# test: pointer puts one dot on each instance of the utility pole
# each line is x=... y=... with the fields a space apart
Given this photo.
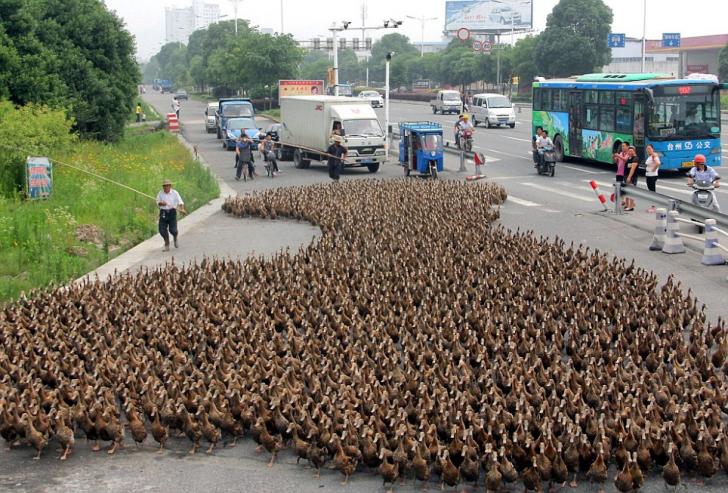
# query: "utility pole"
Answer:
x=281 y=17
x=422 y=20
x=235 y=11
x=386 y=103
x=644 y=33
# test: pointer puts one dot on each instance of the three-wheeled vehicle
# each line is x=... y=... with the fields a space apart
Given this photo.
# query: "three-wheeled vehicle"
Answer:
x=420 y=148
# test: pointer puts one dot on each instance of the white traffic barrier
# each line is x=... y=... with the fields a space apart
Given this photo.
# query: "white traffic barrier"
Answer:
x=711 y=252
x=479 y=160
x=658 y=240
x=673 y=240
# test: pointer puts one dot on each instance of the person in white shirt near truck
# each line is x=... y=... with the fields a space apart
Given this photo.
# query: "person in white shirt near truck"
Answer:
x=169 y=201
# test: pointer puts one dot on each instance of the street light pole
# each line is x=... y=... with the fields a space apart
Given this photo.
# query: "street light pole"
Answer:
x=422 y=20
x=644 y=33
x=334 y=30
x=281 y=17
x=235 y=11
x=386 y=102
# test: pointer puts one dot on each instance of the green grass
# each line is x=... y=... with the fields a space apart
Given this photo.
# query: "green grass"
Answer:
x=150 y=112
x=38 y=240
x=275 y=113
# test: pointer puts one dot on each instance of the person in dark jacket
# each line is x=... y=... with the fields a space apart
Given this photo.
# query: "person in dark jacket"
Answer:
x=244 y=156
x=337 y=154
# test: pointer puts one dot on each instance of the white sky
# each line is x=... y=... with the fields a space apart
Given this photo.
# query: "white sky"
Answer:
x=308 y=18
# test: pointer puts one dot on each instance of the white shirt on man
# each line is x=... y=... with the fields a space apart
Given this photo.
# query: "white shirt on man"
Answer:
x=172 y=199
x=544 y=142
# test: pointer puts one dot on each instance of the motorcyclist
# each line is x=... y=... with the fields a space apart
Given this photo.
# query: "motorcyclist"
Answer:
x=543 y=144
x=462 y=124
x=702 y=172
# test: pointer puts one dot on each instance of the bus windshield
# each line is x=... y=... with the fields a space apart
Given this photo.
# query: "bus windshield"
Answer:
x=688 y=112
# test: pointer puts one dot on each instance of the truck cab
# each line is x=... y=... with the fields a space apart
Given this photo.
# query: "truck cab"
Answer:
x=447 y=101
x=232 y=108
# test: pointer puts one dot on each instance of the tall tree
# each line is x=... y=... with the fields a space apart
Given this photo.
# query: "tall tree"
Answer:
x=575 y=38
x=393 y=42
x=722 y=64
x=69 y=53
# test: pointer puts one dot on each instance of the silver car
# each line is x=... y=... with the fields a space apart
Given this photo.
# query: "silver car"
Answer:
x=505 y=15
x=375 y=99
x=210 y=117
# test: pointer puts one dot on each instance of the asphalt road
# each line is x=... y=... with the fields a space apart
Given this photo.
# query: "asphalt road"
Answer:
x=563 y=206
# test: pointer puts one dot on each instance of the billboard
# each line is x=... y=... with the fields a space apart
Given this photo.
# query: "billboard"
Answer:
x=300 y=87
x=38 y=177
x=488 y=15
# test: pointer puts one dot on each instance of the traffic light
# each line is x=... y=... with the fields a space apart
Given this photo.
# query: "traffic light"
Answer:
x=368 y=44
x=355 y=44
x=329 y=44
x=316 y=44
x=342 y=43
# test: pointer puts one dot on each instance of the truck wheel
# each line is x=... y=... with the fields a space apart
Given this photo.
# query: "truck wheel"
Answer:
x=373 y=168
x=280 y=154
x=434 y=110
x=298 y=160
x=512 y=125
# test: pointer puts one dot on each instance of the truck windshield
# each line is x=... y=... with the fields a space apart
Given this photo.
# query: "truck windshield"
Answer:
x=450 y=96
x=685 y=116
x=499 y=102
x=237 y=109
x=369 y=128
x=240 y=123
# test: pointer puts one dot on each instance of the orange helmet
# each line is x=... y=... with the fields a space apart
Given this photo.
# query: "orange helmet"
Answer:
x=699 y=159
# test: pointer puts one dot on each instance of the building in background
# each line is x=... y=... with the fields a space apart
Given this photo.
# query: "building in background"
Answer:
x=696 y=54
x=180 y=23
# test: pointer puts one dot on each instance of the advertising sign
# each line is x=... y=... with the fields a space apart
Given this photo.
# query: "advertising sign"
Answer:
x=38 y=177
x=300 y=87
x=697 y=69
x=488 y=15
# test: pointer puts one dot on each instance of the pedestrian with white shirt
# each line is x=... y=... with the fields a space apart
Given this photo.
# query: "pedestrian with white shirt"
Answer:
x=652 y=165
x=169 y=201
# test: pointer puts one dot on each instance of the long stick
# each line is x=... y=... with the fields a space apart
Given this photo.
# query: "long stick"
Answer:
x=315 y=150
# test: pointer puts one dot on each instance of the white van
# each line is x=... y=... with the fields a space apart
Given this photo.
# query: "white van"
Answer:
x=493 y=110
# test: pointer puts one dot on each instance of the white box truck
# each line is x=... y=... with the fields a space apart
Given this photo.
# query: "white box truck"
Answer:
x=308 y=122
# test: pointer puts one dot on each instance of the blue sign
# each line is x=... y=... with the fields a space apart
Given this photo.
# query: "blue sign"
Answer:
x=671 y=40
x=616 y=40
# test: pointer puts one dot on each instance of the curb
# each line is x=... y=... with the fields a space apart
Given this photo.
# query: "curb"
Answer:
x=139 y=252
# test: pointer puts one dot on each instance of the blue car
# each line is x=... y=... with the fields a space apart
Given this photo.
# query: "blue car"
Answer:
x=233 y=127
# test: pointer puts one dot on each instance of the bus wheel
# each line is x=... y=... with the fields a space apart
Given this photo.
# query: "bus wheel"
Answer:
x=559 y=149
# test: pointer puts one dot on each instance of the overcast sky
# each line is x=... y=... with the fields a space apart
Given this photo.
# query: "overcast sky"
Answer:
x=308 y=18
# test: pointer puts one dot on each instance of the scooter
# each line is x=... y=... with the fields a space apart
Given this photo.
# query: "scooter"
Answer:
x=465 y=141
x=546 y=161
x=704 y=196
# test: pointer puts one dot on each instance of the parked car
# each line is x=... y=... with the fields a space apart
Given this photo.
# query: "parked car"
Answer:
x=374 y=98
x=210 y=117
x=232 y=128
x=493 y=110
x=181 y=94
x=505 y=15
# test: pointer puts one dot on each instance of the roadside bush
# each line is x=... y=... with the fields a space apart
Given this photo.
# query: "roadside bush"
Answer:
x=29 y=130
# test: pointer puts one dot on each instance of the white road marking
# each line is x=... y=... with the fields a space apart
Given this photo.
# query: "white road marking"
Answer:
x=559 y=192
x=523 y=202
x=516 y=138
x=504 y=153
x=558 y=165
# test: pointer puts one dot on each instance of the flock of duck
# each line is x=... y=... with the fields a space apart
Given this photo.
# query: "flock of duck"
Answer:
x=416 y=338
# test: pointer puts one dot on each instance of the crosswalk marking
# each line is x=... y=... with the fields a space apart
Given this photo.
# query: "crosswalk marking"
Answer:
x=523 y=202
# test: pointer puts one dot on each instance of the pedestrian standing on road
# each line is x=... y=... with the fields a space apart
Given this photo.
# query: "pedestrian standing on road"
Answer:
x=337 y=154
x=169 y=201
x=176 y=107
x=244 y=151
x=652 y=166
x=632 y=164
x=139 y=112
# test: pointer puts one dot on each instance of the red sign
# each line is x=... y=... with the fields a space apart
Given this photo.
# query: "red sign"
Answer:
x=684 y=90
x=463 y=34
x=697 y=69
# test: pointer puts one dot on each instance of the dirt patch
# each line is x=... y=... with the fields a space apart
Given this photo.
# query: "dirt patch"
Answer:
x=77 y=251
x=90 y=233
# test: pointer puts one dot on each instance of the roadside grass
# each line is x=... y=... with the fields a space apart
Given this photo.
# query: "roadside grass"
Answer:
x=87 y=221
x=148 y=110
x=274 y=114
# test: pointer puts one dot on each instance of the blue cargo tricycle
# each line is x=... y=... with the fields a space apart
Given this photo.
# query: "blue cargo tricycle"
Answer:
x=420 y=148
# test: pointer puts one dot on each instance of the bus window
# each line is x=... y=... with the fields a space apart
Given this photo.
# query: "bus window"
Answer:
x=639 y=121
x=591 y=117
x=623 y=98
x=546 y=100
x=592 y=97
x=606 y=97
x=560 y=100
x=624 y=120
x=606 y=119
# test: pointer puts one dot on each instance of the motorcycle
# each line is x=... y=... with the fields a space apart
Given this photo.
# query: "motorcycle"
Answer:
x=546 y=161
x=465 y=140
x=704 y=196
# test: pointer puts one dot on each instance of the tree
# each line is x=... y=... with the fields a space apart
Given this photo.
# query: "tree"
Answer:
x=575 y=38
x=523 y=60
x=393 y=42
x=460 y=65
x=69 y=53
x=723 y=64
x=314 y=65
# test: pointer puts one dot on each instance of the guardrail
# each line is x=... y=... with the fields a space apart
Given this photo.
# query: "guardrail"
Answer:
x=671 y=203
